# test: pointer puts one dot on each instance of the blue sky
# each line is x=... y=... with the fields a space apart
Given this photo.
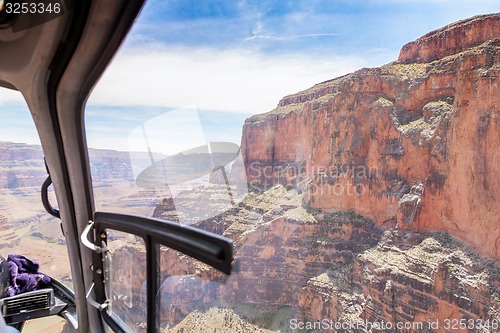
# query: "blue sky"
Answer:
x=230 y=59
x=342 y=26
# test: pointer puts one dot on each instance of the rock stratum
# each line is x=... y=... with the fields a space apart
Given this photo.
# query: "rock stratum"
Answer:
x=22 y=165
x=373 y=199
x=412 y=144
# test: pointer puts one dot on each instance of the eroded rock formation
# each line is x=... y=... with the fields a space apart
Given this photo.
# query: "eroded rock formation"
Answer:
x=307 y=264
x=22 y=165
x=8 y=234
x=412 y=143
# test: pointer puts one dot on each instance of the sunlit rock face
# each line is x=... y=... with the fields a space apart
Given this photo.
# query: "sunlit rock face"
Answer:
x=21 y=165
x=452 y=39
x=412 y=143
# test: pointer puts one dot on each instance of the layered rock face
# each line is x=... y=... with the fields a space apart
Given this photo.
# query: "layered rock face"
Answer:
x=452 y=39
x=412 y=143
x=298 y=263
x=21 y=165
x=7 y=234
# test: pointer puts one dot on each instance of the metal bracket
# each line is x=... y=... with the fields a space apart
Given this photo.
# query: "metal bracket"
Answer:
x=84 y=238
x=92 y=302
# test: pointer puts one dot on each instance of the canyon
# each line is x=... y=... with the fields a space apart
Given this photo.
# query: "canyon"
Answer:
x=370 y=198
x=373 y=199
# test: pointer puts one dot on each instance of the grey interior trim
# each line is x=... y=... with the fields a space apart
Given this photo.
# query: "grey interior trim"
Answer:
x=32 y=71
x=108 y=23
x=29 y=72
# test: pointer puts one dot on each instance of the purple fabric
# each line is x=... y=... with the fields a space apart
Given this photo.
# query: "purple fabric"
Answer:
x=24 y=275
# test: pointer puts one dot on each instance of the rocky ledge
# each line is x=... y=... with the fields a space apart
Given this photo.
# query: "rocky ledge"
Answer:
x=298 y=263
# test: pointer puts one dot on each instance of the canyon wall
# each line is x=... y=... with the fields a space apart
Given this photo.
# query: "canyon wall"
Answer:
x=22 y=165
x=411 y=144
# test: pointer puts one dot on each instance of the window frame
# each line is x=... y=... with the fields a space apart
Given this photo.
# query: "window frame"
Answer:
x=209 y=248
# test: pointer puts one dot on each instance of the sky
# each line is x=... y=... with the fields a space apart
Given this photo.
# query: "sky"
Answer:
x=230 y=59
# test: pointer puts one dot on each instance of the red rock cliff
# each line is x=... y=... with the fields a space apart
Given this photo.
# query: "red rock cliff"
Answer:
x=413 y=143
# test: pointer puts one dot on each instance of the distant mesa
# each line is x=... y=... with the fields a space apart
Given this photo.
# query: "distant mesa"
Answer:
x=7 y=234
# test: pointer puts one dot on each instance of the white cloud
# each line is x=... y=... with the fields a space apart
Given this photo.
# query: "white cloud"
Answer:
x=17 y=124
x=210 y=79
x=259 y=36
x=9 y=96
